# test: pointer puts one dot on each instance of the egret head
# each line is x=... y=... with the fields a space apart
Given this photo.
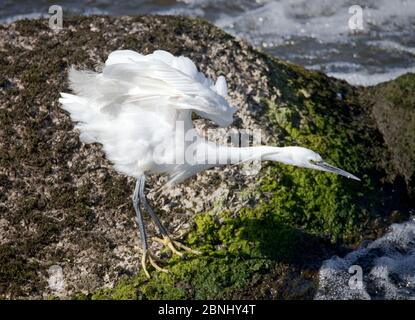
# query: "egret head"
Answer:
x=307 y=158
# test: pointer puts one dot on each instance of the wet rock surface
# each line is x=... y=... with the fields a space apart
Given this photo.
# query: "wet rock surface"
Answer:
x=62 y=206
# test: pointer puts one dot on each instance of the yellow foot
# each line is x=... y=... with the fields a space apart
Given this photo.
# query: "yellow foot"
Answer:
x=148 y=256
x=172 y=244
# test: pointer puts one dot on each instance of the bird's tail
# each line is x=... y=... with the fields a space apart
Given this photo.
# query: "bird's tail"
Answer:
x=76 y=106
x=80 y=113
x=84 y=105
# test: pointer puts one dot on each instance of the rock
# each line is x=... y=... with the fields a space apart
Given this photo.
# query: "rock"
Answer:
x=393 y=106
x=63 y=207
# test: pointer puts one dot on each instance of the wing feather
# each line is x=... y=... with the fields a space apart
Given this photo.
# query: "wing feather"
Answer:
x=133 y=104
x=178 y=77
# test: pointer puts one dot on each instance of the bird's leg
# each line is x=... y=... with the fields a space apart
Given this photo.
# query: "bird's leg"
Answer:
x=142 y=231
x=165 y=239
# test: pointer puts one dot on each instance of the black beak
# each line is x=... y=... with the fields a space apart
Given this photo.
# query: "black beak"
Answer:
x=324 y=166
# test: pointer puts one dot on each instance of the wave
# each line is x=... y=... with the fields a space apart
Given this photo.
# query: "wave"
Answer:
x=365 y=79
x=387 y=265
x=314 y=33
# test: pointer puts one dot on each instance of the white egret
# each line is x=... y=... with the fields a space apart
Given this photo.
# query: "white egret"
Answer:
x=139 y=105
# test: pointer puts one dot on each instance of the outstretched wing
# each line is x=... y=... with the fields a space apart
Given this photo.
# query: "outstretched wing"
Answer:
x=176 y=80
x=158 y=82
x=133 y=104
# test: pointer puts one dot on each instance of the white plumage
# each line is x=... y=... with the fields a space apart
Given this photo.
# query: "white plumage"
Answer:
x=134 y=104
x=139 y=105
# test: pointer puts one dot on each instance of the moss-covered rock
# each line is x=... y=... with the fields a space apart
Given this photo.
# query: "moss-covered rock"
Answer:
x=262 y=236
x=393 y=105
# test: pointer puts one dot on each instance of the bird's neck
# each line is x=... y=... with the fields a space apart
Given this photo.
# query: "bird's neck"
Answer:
x=233 y=155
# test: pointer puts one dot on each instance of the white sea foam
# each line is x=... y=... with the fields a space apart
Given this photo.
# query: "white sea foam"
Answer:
x=356 y=74
x=316 y=33
x=312 y=33
x=366 y=79
x=392 y=46
x=388 y=265
x=33 y=15
x=326 y=20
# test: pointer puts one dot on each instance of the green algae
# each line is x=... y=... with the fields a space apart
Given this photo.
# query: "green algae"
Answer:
x=321 y=203
x=234 y=251
x=322 y=114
